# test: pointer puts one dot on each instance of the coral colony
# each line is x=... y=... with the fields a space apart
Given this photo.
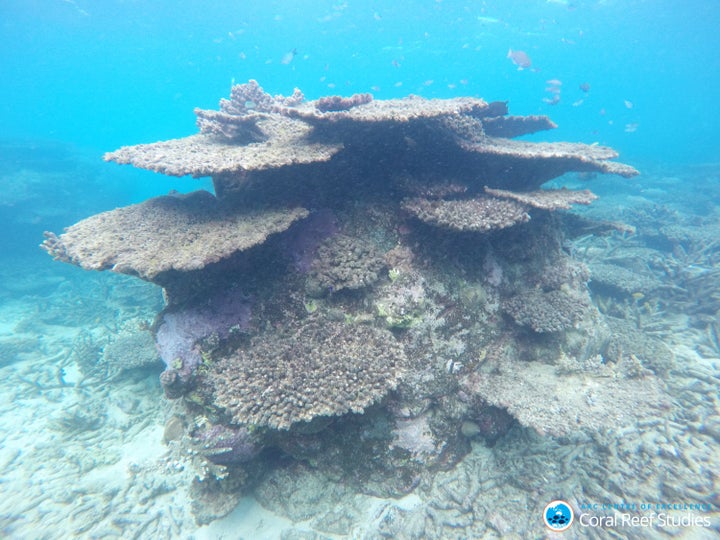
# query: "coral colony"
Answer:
x=374 y=282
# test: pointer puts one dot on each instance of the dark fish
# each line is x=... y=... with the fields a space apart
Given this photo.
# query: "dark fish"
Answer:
x=519 y=58
x=585 y=87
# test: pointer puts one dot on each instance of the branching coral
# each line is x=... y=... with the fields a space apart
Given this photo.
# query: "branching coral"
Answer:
x=480 y=214
x=322 y=368
x=552 y=311
x=344 y=262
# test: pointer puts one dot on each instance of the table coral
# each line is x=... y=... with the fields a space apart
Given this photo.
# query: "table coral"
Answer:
x=180 y=233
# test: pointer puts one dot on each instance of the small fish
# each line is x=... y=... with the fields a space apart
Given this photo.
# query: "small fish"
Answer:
x=578 y=103
x=631 y=128
x=553 y=100
x=628 y=104
x=288 y=57
x=519 y=58
x=585 y=87
x=554 y=82
x=488 y=20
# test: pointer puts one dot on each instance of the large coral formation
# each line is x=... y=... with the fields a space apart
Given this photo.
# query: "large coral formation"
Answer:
x=295 y=132
x=181 y=233
x=425 y=304
x=322 y=368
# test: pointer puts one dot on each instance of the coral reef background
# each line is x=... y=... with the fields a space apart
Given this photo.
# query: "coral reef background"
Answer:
x=470 y=438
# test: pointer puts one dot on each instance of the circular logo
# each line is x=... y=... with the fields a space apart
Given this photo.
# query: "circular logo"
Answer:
x=558 y=515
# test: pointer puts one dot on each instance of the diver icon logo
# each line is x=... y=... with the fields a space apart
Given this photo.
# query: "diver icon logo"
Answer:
x=558 y=516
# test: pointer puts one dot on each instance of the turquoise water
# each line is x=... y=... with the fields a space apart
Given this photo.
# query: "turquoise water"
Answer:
x=100 y=75
x=82 y=78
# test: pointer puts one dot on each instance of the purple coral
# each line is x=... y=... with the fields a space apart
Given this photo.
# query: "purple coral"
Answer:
x=179 y=331
x=302 y=241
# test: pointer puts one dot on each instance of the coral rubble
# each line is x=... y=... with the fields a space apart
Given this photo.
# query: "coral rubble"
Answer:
x=344 y=294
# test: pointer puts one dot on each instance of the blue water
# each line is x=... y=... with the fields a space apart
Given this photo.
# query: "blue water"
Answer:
x=80 y=78
x=98 y=75
x=104 y=74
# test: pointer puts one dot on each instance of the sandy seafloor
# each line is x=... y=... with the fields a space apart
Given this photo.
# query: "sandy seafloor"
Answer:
x=82 y=455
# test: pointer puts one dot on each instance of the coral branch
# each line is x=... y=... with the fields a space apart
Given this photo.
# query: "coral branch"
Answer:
x=339 y=103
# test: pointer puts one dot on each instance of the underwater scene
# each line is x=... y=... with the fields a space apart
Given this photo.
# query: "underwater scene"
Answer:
x=359 y=270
